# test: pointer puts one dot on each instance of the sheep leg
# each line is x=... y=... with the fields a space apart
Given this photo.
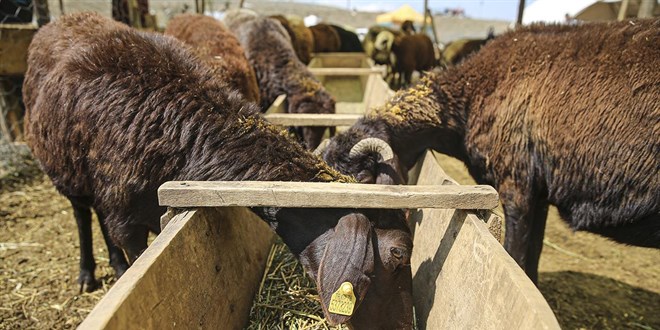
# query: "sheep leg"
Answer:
x=116 y=255
x=525 y=225
x=133 y=240
x=539 y=217
x=83 y=215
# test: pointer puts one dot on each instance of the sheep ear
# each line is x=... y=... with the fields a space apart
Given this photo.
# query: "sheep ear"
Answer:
x=348 y=257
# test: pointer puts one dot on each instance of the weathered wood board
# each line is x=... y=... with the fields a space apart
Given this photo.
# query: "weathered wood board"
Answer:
x=462 y=277
x=317 y=194
x=202 y=272
x=14 y=42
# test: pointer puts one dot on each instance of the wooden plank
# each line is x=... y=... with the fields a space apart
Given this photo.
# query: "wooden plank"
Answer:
x=337 y=54
x=14 y=42
x=202 y=270
x=462 y=277
x=313 y=119
x=317 y=194
x=278 y=105
x=346 y=71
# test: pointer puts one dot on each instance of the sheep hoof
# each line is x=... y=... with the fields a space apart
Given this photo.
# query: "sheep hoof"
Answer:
x=87 y=282
x=120 y=270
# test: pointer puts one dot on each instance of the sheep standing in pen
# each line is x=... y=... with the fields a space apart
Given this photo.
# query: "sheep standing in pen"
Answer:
x=268 y=48
x=326 y=38
x=217 y=47
x=116 y=112
x=407 y=53
x=348 y=40
x=302 y=44
x=562 y=115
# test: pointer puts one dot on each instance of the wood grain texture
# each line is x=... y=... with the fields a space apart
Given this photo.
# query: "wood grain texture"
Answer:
x=462 y=277
x=314 y=194
x=202 y=271
x=346 y=71
x=312 y=119
x=14 y=42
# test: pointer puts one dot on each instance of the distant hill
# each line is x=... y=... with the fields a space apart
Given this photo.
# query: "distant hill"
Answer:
x=448 y=28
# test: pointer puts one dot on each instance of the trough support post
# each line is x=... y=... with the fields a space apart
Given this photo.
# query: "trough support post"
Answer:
x=43 y=14
x=623 y=10
x=646 y=8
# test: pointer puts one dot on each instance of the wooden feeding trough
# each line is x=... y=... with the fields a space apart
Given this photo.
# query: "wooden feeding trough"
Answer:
x=205 y=267
x=14 y=42
x=353 y=79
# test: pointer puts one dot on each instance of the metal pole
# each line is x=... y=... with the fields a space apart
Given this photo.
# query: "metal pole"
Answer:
x=426 y=10
x=61 y=7
x=521 y=8
x=240 y=4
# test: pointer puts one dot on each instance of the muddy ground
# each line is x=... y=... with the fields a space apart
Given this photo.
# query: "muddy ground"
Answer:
x=590 y=282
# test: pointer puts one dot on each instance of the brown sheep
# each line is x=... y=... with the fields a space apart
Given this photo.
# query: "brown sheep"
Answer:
x=279 y=71
x=562 y=115
x=326 y=38
x=300 y=41
x=219 y=48
x=457 y=51
x=380 y=54
x=408 y=53
x=117 y=112
x=304 y=37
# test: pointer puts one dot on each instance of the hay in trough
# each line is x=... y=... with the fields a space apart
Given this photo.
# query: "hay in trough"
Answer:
x=287 y=297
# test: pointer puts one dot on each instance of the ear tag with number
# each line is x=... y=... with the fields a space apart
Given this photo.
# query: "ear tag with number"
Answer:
x=343 y=300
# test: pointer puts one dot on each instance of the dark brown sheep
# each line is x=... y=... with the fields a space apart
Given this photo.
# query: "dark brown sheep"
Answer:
x=408 y=53
x=379 y=53
x=301 y=42
x=117 y=112
x=304 y=39
x=562 y=115
x=326 y=38
x=457 y=51
x=279 y=71
x=219 y=48
x=348 y=40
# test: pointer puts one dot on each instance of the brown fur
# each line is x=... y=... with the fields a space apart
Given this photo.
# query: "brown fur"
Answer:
x=412 y=53
x=326 y=38
x=305 y=40
x=217 y=47
x=562 y=115
x=118 y=112
x=300 y=42
x=280 y=72
x=457 y=51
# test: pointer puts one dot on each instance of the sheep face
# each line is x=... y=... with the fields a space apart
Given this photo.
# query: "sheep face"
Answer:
x=318 y=102
x=373 y=254
x=369 y=160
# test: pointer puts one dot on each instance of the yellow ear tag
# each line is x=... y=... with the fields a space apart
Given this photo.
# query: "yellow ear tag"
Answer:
x=343 y=300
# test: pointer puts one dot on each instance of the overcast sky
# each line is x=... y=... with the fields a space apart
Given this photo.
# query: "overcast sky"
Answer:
x=485 y=9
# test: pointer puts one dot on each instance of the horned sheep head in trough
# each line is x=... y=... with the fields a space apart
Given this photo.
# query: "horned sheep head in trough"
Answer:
x=360 y=263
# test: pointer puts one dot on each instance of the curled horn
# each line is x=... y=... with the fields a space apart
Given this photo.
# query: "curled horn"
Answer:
x=321 y=148
x=372 y=145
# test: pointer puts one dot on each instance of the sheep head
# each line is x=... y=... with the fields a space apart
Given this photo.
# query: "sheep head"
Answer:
x=368 y=159
x=318 y=101
x=369 y=249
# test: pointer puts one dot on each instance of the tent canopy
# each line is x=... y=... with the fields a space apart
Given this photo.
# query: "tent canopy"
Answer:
x=404 y=13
